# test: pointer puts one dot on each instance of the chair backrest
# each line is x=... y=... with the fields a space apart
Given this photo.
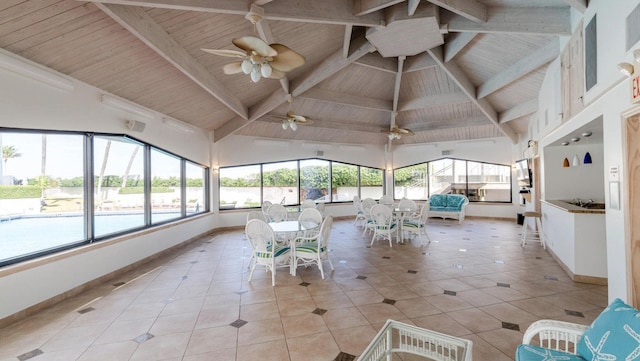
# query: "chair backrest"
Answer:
x=320 y=208
x=277 y=213
x=424 y=212
x=386 y=200
x=408 y=204
x=265 y=206
x=381 y=215
x=256 y=215
x=310 y=215
x=308 y=203
x=260 y=235
x=325 y=231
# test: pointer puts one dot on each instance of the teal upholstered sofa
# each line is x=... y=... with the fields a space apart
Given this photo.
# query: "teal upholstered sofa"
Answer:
x=448 y=206
x=614 y=335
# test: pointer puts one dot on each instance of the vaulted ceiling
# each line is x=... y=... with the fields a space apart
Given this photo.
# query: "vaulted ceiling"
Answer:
x=445 y=69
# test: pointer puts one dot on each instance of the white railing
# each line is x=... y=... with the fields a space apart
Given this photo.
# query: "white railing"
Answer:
x=398 y=337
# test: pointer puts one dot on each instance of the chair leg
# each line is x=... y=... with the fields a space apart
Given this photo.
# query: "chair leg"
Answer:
x=330 y=264
x=320 y=266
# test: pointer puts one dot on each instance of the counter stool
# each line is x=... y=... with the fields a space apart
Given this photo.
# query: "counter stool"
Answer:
x=537 y=230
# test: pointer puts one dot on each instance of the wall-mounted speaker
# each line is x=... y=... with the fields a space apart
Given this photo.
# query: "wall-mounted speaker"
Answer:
x=319 y=153
x=446 y=152
x=135 y=125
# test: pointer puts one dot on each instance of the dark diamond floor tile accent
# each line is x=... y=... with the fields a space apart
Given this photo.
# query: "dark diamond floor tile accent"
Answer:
x=184 y=277
x=468 y=230
x=341 y=232
x=193 y=262
x=538 y=257
x=319 y=311
x=450 y=293
x=494 y=237
x=238 y=323
x=500 y=284
x=493 y=229
x=305 y=284
x=551 y=278
x=85 y=310
x=426 y=253
x=574 y=313
x=30 y=354
x=389 y=301
x=412 y=271
x=368 y=247
x=202 y=250
x=511 y=326
x=443 y=232
x=361 y=277
x=499 y=261
x=118 y=284
x=144 y=337
x=241 y=292
x=466 y=238
x=386 y=257
x=343 y=356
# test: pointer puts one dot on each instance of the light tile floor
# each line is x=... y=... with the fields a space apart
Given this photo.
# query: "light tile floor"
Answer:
x=474 y=281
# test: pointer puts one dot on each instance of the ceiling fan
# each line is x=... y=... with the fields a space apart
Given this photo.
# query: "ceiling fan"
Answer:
x=396 y=132
x=292 y=120
x=259 y=59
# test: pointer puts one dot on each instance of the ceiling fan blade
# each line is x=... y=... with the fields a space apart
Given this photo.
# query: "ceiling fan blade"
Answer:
x=232 y=68
x=306 y=121
x=299 y=118
x=251 y=43
x=276 y=74
x=405 y=131
x=286 y=59
x=225 y=52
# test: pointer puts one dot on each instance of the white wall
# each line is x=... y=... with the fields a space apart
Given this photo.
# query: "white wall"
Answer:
x=585 y=181
x=609 y=99
x=27 y=103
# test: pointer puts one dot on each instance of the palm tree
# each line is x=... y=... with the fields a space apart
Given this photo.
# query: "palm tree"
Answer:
x=9 y=152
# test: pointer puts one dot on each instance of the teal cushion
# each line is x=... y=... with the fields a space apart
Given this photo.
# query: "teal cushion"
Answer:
x=454 y=201
x=614 y=335
x=535 y=353
x=442 y=209
x=437 y=200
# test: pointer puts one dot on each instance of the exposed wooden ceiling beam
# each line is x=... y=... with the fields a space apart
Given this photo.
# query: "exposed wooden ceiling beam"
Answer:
x=469 y=9
x=340 y=125
x=396 y=87
x=455 y=43
x=346 y=43
x=421 y=61
x=456 y=74
x=347 y=99
x=412 y=7
x=261 y=2
x=526 y=65
x=312 y=11
x=446 y=124
x=362 y=7
x=519 y=111
x=376 y=61
x=433 y=101
x=331 y=65
x=543 y=21
x=258 y=110
x=142 y=26
x=580 y=5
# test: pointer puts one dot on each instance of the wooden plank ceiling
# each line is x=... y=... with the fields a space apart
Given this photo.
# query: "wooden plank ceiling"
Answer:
x=448 y=70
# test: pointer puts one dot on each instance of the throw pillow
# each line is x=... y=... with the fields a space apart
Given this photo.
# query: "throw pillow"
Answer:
x=614 y=335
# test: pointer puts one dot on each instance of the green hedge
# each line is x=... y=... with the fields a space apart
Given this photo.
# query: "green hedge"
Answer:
x=18 y=192
x=140 y=190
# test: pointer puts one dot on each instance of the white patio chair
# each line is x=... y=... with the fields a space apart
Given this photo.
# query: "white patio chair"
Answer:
x=266 y=252
x=314 y=249
x=384 y=226
x=357 y=204
x=387 y=200
x=265 y=208
x=418 y=226
x=277 y=213
x=310 y=216
x=367 y=204
x=308 y=203
x=256 y=215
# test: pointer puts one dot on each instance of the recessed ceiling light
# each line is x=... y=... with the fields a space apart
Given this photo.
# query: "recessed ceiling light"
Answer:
x=575 y=139
x=586 y=134
x=565 y=143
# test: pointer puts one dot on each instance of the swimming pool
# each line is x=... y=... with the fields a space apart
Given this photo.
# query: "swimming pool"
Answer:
x=26 y=235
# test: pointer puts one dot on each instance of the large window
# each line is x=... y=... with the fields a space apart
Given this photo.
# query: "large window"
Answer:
x=240 y=187
x=292 y=182
x=344 y=182
x=314 y=180
x=60 y=190
x=480 y=182
x=280 y=182
x=118 y=185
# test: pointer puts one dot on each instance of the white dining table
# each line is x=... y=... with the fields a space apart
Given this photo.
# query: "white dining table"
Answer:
x=290 y=230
